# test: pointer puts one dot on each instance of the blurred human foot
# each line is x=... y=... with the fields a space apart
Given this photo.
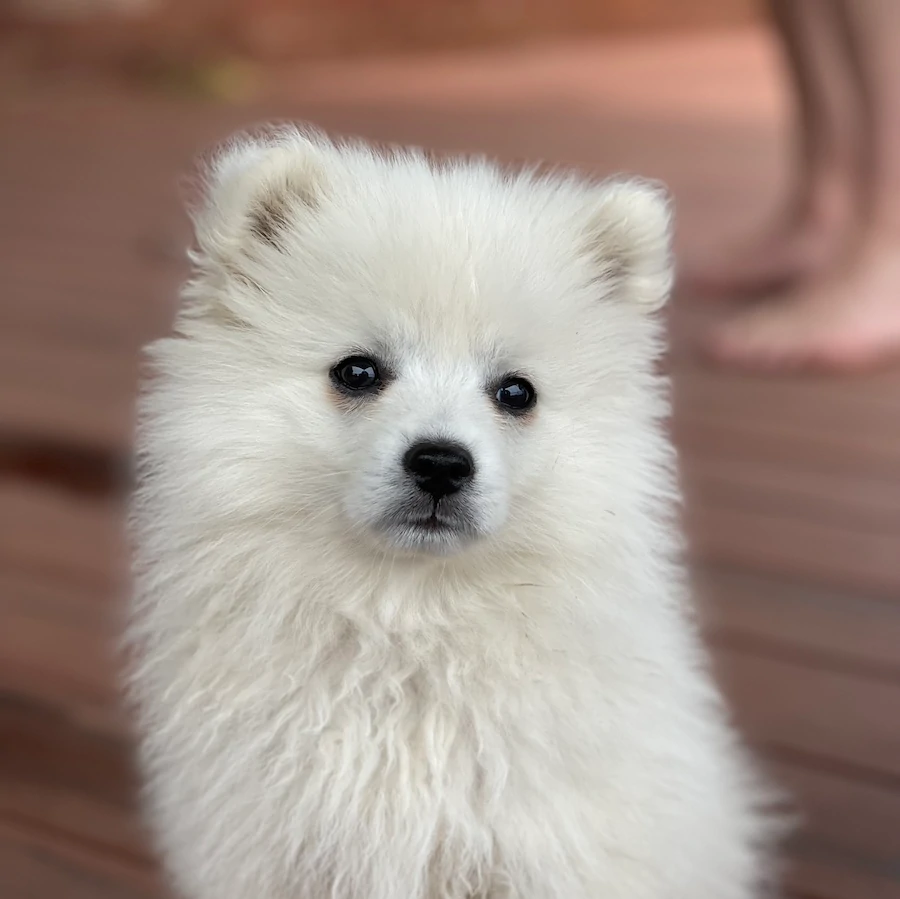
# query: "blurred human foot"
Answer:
x=773 y=263
x=793 y=252
x=846 y=320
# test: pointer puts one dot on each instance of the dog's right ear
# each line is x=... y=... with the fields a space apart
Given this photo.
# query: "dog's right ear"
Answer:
x=254 y=187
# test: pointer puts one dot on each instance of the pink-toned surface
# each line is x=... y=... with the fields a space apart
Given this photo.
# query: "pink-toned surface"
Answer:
x=793 y=485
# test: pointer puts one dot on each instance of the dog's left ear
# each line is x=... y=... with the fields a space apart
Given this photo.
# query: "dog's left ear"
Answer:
x=629 y=237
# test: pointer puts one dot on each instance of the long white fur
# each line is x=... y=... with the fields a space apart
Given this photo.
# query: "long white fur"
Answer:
x=323 y=715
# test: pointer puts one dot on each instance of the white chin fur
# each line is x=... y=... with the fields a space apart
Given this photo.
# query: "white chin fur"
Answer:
x=413 y=539
x=447 y=540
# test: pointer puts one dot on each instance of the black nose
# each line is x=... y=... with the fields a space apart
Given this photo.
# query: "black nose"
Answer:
x=439 y=468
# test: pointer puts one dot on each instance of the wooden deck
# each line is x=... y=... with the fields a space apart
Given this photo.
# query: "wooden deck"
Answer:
x=793 y=485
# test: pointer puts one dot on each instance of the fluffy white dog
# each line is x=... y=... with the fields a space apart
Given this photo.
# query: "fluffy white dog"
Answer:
x=409 y=618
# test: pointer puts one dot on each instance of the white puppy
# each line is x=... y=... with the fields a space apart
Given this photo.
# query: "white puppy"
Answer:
x=409 y=619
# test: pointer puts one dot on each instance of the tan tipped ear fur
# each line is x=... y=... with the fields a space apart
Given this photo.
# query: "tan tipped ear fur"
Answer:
x=254 y=185
x=630 y=238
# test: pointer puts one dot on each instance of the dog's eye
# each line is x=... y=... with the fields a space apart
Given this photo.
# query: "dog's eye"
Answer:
x=356 y=373
x=516 y=394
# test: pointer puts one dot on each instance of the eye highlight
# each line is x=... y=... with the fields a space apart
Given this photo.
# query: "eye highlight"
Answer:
x=515 y=394
x=356 y=374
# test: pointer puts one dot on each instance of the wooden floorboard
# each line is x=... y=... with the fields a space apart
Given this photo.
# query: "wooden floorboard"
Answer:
x=63 y=774
x=38 y=863
x=811 y=874
x=825 y=714
x=826 y=628
x=844 y=812
x=792 y=484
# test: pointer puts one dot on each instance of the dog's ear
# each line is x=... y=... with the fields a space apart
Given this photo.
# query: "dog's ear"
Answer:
x=253 y=187
x=629 y=237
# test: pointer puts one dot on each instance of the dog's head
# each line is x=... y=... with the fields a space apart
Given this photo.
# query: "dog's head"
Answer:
x=416 y=355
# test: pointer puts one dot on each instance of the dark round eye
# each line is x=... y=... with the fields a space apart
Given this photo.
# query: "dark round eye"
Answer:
x=356 y=373
x=516 y=394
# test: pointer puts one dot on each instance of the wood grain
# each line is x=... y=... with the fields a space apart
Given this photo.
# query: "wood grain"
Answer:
x=792 y=484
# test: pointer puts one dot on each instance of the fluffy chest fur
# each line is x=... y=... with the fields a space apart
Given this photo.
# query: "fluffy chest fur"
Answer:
x=475 y=738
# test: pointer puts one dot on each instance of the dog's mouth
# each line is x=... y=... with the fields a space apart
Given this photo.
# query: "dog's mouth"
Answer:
x=442 y=528
x=437 y=521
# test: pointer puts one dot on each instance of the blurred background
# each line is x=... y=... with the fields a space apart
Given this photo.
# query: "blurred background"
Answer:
x=792 y=480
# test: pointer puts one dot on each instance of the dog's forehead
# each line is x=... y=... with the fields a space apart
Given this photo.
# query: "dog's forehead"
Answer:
x=454 y=271
x=460 y=236
x=480 y=320
x=456 y=282
x=481 y=310
x=452 y=349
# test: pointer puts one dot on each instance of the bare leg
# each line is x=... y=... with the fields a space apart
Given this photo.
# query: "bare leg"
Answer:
x=849 y=317
x=822 y=207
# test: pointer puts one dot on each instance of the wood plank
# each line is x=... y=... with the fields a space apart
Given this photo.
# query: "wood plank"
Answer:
x=813 y=876
x=76 y=817
x=863 y=502
x=54 y=597
x=751 y=437
x=77 y=658
x=42 y=744
x=64 y=776
x=834 y=717
x=39 y=864
x=61 y=577
x=274 y=32
x=82 y=471
x=843 y=817
x=110 y=303
x=802 y=418
x=62 y=534
x=62 y=665
x=792 y=476
x=798 y=548
x=850 y=631
x=53 y=389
